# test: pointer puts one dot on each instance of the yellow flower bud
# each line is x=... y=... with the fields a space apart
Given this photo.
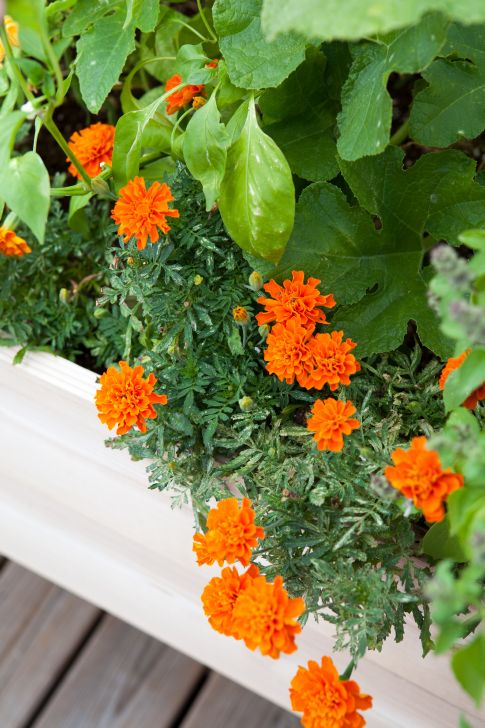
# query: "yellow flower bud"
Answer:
x=64 y=295
x=241 y=315
x=198 y=102
x=246 y=404
x=256 y=281
x=198 y=280
x=130 y=260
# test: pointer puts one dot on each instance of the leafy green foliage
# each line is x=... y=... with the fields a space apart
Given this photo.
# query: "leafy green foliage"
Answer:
x=252 y=61
x=353 y=19
x=24 y=186
x=257 y=195
x=48 y=297
x=365 y=119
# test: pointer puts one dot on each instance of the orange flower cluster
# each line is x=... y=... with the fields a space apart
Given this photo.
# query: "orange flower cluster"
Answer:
x=126 y=399
x=182 y=97
x=245 y=606
x=294 y=352
x=140 y=212
x=92 y=146
x=231 y=534
x=325 y=700
x=12 y=30
x=418 y=475
x=11 y=244
x=454 y=363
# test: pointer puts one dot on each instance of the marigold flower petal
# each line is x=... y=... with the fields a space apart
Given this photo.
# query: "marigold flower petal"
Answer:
x=287 y=351
x=126 y=399
x=454 y=363
x=332 y=363
x=220 y=595
x=139 y=212
x=93 y=146
x=418 y=475
x=331 y=420
x=324 y=699
x=241 y=315
x=12 y=30
x=11 y=244
x=264 y=617
x=231 y=536
x=182 y=97
x=294 y=298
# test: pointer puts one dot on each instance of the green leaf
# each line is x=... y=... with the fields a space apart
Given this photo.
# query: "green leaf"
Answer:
x=146 y=14
x=101 y=54
x=452 y=107
x=257 y=200
x=463 y=505
x=464 y=723
x=252 y=61
x=464 y=380
x=365 y=119
x=308 y=143
x=77 y=218
x=205 y=149
x=439 y=544
x=190 y=64
x=24 y=186
x=353 y=19
x=378 y=273
x=468 y=664
x=9 y=126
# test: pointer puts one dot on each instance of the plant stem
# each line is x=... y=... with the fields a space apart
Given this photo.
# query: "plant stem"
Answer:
x=196 y=32
x=54 y=130
x=400 y=135
x=204 y=20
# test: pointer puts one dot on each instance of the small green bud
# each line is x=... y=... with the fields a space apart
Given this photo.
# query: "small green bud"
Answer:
x=100 y=187
x=64 y=295
x=256 y=281
x=130 y=260
x=198 y=280
x=246 y=404
x=99 y=313
x=263 y=331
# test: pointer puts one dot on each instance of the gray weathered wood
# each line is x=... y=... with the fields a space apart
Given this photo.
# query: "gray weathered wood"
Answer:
x=124 y=679
x=223 y=704
x=41 y=627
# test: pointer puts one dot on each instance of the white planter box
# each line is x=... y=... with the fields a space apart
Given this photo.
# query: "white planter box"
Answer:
x=81 y=516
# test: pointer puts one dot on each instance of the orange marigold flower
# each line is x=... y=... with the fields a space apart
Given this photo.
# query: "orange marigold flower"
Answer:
x=454 y=363
x=294 y=298
x=241 y=315
x=418 y=475
x=11 y=244
x=264 y=616
x=198 y=102
x=92 y=146
x=212 y=64
x=220 y=596
x=330 y=422
x=287 y=351
x=139 y=212
x=183 y=96
x=332 y=362
x=12 y=30
x=325 y=700
x=126 y=399
x=231 y=534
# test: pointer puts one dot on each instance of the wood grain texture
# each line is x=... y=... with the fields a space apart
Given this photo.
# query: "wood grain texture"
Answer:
x=123 y=679
x=223 y=704
x=40 y=628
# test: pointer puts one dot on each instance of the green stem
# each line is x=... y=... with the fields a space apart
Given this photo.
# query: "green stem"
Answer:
x=400 y=135
x=54 y=63
x=13 y=65
x=177 y=124
x=204 y=20
x=196 y=32
x=55 y=132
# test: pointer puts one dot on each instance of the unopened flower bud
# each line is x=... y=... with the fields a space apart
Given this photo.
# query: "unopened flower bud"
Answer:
x=130 y=260
x=198 y=280
x=99 y=313
x=264 y=331
x=198 y=102
x=444 y=258
x=241 y=315
x=256 y=281
x=100 y=187
x=64 y=295
x=246 y=404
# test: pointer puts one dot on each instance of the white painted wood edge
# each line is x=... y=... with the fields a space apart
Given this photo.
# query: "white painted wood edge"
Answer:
x=81 y=515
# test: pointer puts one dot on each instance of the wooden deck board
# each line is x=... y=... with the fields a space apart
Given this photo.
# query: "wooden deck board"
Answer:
x=223 y=704
x=123 y=679
x=41 y=626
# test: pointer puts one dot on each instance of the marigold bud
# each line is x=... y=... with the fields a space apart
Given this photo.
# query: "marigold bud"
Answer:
x=256 y=281
x=264 y=330
x=100 y=187
x=241 y=315
x=198 y=102
x=198 y=280
x=64 y=295
x=130 y=260
x=246 y=404
x=99 y=313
